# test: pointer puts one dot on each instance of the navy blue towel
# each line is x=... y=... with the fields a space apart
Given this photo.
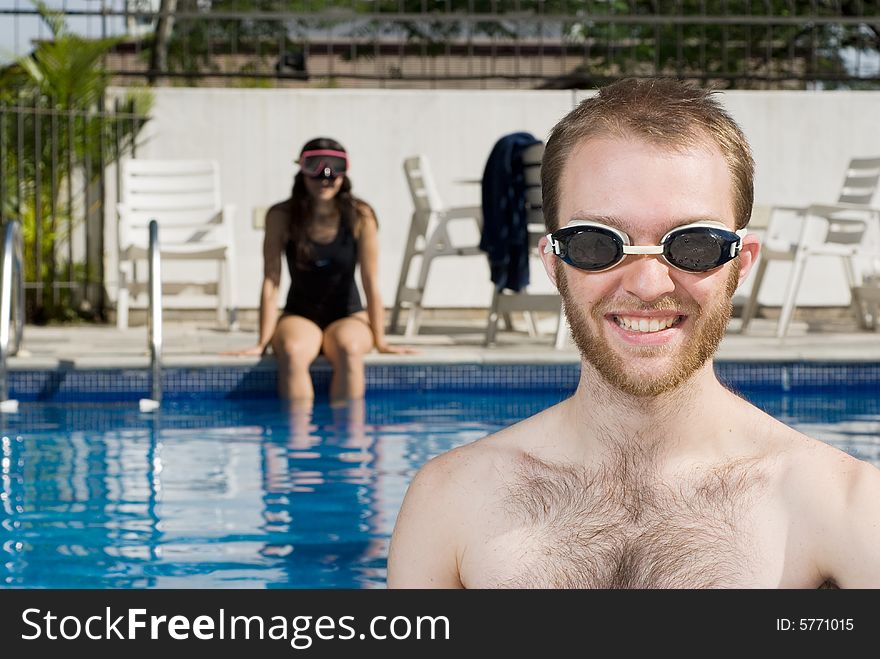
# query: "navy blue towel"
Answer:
x=505 y=237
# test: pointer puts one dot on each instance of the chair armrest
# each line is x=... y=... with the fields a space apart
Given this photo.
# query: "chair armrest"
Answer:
x=474 y=213
x=771 y=220
x=228 y=213
x=823 y=209
x=789 y=209
x=827 y=210
x=463 y=213
x=840 y=225
x=226 y=218
x=228 y=221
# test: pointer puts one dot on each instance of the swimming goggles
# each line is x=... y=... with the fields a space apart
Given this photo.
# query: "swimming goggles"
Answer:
x=323 y=163
x=695 y=247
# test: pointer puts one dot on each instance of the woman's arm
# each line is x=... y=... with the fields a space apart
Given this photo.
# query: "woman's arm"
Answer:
x=368 y=256
x=273 y=247
x=268 y=312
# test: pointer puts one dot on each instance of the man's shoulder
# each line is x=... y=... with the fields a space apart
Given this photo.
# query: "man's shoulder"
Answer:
x=792 y=452
x=831 y=501
x=821 y=477
x=805 y=455
x=467 y=467
x=445 y=506
x=475 y=469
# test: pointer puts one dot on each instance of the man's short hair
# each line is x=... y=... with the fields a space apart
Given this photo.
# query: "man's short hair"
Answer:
x=662 y=111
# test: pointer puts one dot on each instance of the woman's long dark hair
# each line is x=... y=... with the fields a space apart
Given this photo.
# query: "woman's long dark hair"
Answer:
x=303 y=206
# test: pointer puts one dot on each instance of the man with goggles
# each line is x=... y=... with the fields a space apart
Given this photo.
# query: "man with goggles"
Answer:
x=653 y=474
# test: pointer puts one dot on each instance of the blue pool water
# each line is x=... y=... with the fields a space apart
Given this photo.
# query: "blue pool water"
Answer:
x=252 y=494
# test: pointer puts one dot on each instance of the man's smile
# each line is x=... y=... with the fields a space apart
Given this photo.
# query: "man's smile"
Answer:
x=647 y=324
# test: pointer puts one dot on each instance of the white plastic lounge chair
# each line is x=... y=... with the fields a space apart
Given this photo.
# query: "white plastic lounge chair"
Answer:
x=428 y=239
x=849 y=229
x=506 y=302
x=183 y=196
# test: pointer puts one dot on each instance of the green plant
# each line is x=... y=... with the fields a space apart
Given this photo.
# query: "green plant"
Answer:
x=57 y=135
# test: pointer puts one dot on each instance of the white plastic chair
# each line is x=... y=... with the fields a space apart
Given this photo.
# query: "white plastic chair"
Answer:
x=183 y=196
x=848 y=229
x=506 y=302
x=429 y=238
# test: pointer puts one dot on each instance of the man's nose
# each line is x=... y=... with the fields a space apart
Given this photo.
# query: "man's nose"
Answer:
x=646 y=276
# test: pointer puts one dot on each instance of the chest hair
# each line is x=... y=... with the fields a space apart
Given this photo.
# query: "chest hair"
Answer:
x=620 y=526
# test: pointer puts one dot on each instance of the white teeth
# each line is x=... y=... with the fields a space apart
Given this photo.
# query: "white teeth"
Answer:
x=646 y=325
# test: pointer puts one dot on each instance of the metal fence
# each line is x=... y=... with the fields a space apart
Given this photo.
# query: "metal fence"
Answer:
x=491 y=43
x=53 y=161
x=53 y=178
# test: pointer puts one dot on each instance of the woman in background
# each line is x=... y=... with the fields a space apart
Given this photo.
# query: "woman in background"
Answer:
x=324 y=233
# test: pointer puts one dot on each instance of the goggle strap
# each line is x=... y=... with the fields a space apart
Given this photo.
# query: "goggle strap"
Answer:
x=736 y=247
x=324 y=152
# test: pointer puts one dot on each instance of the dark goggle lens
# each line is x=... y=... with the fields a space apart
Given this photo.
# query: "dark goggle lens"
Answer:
x=323 y=166
x=593 y=249
x=698 y=249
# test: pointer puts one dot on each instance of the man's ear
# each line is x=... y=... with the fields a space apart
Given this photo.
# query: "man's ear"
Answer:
x=748 y=255
x=549 y=260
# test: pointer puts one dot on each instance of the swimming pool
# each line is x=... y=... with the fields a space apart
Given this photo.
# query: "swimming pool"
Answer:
x=243 y=491
x=251 y=494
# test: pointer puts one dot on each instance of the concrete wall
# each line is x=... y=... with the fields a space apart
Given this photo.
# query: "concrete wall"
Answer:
x=802 y=142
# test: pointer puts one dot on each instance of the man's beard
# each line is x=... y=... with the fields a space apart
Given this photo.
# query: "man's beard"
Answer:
x=709 y=327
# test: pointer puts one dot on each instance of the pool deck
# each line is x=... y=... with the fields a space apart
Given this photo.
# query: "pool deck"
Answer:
x=450 y=338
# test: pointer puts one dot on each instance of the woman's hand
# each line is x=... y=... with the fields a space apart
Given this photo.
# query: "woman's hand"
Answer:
x=386 y=349
x=253 y=351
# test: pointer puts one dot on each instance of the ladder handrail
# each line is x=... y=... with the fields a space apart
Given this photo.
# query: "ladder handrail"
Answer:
x=154 y=320
x=11 y=275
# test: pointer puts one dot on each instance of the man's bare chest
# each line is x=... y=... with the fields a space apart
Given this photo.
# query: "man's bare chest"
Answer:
x=561 y=528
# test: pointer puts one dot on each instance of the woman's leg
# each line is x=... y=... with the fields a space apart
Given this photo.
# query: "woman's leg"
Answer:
x=297 y=342
x=302 y=430
x=346 y=341
x=351 y=417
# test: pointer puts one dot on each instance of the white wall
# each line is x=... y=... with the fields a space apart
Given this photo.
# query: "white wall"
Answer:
x=802 y=142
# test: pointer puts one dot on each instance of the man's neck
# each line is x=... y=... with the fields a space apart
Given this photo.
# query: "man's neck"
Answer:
x=676 y=425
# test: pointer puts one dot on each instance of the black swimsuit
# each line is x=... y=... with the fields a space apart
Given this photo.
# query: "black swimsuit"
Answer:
x=324 y=290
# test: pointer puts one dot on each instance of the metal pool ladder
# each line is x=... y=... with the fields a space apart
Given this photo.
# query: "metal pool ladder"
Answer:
x=154 y=322
x=11 y=307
